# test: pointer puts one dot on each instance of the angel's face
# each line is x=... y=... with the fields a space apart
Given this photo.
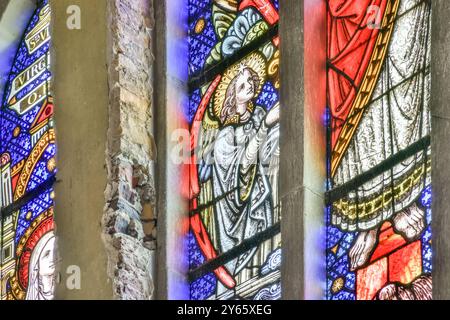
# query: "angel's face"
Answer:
x=245 y=89
x=46 y=259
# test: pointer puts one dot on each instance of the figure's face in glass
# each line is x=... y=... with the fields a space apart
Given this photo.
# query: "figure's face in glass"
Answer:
x=245 y=89
x=47 y=259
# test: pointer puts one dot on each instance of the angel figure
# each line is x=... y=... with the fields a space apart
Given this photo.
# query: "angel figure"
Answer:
x=237 y=170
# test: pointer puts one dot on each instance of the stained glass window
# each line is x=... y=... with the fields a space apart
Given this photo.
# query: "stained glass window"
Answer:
x=28 y=168
x=379 y=187
x=234 y=240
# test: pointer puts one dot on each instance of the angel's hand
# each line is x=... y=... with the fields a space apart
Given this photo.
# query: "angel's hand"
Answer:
x=273 y=116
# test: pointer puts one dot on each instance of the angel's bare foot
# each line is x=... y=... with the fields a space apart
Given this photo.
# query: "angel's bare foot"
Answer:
x=423 y=288
x=388 y=293
x=410 y=222
x=395 y=292
x=420 y=289
x=362 y=248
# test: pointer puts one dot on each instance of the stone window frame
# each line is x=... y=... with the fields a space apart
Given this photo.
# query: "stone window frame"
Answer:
x=170 y=94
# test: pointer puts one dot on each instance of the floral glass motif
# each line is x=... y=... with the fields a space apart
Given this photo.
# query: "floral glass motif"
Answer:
x=234 y=240
x=379 y=216
x=28 y=168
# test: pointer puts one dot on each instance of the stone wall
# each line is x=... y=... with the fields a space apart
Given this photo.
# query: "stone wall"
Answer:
x=129 y=220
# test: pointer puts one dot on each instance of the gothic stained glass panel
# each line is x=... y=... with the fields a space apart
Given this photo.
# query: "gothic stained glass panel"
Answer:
x=379 y=216
x=234 y=241
x=28 y=167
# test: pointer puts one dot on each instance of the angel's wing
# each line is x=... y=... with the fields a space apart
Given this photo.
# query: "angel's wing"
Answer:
x=224 y=13
x=203 y=132
x=208 y=133
x=270 y=149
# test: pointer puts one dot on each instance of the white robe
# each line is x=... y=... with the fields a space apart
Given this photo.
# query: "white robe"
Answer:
x=397 y=117
x=248 y=207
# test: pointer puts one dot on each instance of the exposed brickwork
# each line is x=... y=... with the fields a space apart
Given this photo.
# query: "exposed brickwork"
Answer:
x=129 y=220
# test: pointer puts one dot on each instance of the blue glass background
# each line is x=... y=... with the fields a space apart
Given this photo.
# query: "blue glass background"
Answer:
x=200 y=45
x=36 y=206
